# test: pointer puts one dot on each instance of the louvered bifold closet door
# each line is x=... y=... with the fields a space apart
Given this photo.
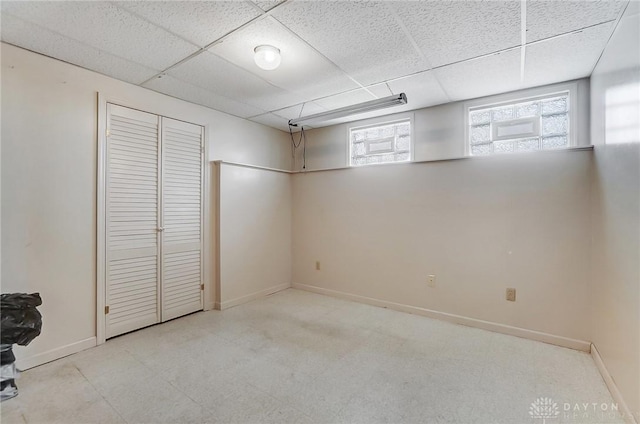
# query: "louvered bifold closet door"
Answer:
x=182 y=238
x=132 y=209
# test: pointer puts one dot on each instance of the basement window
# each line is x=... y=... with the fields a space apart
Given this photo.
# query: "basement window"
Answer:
x=539 y=123
x=382 y=143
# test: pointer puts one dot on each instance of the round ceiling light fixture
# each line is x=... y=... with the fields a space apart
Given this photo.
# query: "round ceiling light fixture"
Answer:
x=267 y=57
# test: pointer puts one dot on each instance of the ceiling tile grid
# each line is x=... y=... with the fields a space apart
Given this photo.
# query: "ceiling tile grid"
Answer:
x=221 y=77
x=200 y=22
x=35 y=38
x=425 y=89
x=451 y=31
x=105 y=27
x=359 y=95
x=273 y=120
x=302 y=71
x=549 y=18
x=434 y=51
x=569 y=57
x=357 y=36
x=183 y=90
x=303 y=109
x=267 y=4
x=345 y=99
x=493 y=74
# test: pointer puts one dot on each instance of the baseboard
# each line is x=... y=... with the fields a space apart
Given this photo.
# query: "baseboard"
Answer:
x=252 y=296
x=53 y=354
x=456 y=319
x=629 y=418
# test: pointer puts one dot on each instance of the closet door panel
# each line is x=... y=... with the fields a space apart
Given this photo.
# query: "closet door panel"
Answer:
x=132 y=205
x=182 y=164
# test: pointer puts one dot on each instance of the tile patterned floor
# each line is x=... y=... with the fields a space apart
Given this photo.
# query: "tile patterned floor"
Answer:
x=298 y=357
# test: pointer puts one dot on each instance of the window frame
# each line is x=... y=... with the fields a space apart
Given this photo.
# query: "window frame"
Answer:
x=397 y=120
x=523 y=96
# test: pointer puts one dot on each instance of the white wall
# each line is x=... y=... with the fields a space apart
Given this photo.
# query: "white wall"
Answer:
x=615 y=260
x=479 y=224
x=255 y=232
x=49 y=167
x=438 y=131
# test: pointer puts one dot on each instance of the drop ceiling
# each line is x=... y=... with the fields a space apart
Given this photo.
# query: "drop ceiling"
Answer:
x=333 y=53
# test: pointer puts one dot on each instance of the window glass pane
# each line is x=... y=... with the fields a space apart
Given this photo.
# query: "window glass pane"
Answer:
x=388 y=131
x=502 y=113
x=372 y=134
x=526 y=110
x=481 y=149
x=404 y=129
x=404 y=143
x=527 y=145
x=401 y=157
x=531 y=124
x=388 y=157
x=503 y=146
x=554 y=142
x=381 y=144
x=358 y=149
x=374 y=159
x=480 y=117
x=359 y=161
x=554 y=124
x=558 y=105
x=480 y=133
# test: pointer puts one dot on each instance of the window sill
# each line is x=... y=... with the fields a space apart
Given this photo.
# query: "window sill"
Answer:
x=540 y=152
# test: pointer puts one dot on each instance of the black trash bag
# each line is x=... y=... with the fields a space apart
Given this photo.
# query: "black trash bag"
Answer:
x=20 y=321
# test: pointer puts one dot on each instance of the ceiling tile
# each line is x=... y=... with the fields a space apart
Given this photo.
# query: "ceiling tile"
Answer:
x=381 y=90
x=548 y=18
x=319 y=41
x=219 y=76
x=422 y=90
x=357 y=36
x=632 y=9
x=497 y=73
x=626 y=48
x=302 y=70
x=450 y=31
x=273 y=120
x=567 y=57
x=267 y=4
x=105 y=27
x=200 y=22
x=303 y=109
x=182 y=90
x=345 y=99
x=32 y=37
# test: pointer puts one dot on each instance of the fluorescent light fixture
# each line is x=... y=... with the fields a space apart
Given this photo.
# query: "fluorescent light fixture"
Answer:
x=395 y=100
x=267 y=57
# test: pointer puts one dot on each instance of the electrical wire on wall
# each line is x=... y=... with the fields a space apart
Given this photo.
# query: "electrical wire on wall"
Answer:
x=301 y=141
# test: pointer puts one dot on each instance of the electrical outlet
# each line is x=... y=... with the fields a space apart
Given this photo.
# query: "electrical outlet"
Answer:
x=511 y=295
x=431 y=281
x=317 y=265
